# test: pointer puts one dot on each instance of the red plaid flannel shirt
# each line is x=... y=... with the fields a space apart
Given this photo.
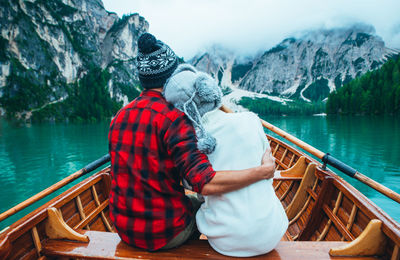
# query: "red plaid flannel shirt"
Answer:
x=152 y=147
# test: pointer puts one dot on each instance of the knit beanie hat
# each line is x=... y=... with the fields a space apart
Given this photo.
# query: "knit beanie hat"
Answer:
x=155 y=61
x=195 y=93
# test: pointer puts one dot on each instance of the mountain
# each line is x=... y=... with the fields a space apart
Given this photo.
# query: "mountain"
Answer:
x=48 y=48
x=223 y=64
x=308 y=67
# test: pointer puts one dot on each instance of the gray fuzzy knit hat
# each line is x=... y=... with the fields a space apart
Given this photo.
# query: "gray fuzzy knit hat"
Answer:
x=155 y=61
x=195 y=93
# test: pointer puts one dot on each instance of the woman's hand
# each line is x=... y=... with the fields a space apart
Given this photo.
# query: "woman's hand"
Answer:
x=268 y=165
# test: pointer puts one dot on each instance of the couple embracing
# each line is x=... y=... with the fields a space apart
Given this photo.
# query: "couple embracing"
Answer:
x=174 y=133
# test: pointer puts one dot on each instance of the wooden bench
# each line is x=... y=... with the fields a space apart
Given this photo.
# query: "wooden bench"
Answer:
x=107 y=245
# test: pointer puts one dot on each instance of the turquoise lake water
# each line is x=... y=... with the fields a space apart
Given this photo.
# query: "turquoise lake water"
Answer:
x=33 y=157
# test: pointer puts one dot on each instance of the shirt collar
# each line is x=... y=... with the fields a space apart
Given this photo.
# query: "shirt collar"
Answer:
x=151 y=93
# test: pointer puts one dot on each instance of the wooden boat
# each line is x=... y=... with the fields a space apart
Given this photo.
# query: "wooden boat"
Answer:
x=329 y=219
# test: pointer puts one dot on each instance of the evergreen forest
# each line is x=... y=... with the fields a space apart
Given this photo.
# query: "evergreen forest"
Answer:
x=88 y=100
x=265 y=106
x=375 y=93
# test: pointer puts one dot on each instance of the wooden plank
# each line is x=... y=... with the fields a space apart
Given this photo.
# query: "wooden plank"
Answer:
x=328 y=224
x=70 y=213
x=351 y=218
x=92 y=215
x=301 y=195
x=286 y=192
x=288 y=236
x=28 y=254
x=278 y=185
x=280 y=164
x=106 y=184
x=5 y=248
x=395 y=254
x=291 y=160
x=284 y=155
x=288 y=179
x=36 y=240
x=276 y=149
x=96 y=199
x=106 y=245
x=23 y=247
x=315 y=215
x=339 y=225
x=344 y=216
x=302 y=210
x=312 y=193
x=80 y=209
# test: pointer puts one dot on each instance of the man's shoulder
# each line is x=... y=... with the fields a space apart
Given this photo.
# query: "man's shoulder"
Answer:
x=155 y=104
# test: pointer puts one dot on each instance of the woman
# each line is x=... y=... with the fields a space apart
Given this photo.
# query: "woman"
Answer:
x=247 y=222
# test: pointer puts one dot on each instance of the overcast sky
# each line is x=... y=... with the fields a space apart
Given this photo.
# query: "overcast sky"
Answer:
x=248 y=26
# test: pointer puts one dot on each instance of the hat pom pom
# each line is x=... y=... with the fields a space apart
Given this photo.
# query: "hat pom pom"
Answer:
x=147 y=43
x=206 y=144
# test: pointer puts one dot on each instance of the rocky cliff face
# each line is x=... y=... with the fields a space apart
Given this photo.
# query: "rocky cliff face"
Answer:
x=224 y=65
x=47 y=46
x=308 y=67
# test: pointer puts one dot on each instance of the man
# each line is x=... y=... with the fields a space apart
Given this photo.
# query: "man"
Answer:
x=153 y=147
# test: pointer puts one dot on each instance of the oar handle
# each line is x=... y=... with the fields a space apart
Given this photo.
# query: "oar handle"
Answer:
x=88 y=168
x=97 y=163
x=328 y=159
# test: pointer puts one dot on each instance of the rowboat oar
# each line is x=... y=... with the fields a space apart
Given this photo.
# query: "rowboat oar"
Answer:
x=329 y=159
x=88 y=168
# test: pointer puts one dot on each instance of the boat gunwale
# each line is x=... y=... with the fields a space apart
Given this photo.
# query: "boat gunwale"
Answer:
x=33 y=218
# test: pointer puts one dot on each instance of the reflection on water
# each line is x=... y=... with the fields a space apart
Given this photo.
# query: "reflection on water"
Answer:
x=369 y=144
x=34 y=157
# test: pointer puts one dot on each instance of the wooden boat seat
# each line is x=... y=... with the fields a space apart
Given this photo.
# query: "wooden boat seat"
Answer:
x=296 y=170
x=107 y=245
